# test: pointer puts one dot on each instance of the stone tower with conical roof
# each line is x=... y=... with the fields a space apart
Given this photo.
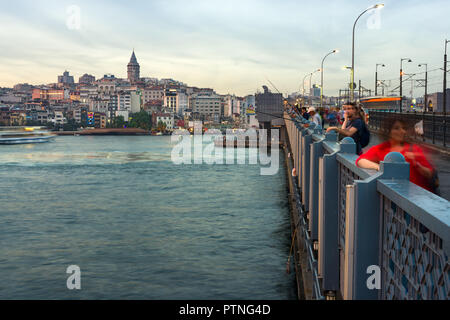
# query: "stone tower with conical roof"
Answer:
x=133 y=69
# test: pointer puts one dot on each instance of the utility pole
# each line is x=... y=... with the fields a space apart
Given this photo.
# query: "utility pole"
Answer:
x=359 y=90
x=376 y=77
x=425 y=104
x=445 y=88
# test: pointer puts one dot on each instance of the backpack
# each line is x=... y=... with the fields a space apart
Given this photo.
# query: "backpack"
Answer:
x=365 y=136
x=434 y=183
x=331 y=116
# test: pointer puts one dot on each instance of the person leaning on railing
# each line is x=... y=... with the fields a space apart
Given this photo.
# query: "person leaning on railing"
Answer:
x=421 y=171
x=353 y=125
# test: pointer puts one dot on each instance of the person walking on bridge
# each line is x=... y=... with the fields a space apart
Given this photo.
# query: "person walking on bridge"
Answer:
x=422 y=172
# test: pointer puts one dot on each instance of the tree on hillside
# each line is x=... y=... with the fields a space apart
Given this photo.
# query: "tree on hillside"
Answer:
x=140 y=120
x=119 y=122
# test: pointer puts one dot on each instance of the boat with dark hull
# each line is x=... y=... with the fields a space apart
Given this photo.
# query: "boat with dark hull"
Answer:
x=25 y=136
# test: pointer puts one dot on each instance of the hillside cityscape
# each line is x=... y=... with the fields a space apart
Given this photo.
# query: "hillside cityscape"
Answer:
x=150 y=103
x=112 y=102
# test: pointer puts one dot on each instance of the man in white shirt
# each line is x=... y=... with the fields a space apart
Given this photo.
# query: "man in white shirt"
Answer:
x=314 y=116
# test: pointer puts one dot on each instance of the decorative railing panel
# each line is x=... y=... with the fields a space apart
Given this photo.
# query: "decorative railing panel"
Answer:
x=415 y=253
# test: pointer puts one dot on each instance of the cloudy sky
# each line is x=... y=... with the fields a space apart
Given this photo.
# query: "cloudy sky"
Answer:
x=233 y=46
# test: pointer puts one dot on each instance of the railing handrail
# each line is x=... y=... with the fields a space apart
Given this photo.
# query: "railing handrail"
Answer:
x=348 y=160
x=331 y=146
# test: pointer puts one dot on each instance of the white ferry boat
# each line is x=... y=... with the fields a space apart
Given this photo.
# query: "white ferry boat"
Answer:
x=25 y=136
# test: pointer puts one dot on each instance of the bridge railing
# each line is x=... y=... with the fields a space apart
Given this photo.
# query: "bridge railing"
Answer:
x=350 y=229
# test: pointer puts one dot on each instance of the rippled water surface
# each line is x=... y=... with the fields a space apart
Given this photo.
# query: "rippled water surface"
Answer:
x=138 y=226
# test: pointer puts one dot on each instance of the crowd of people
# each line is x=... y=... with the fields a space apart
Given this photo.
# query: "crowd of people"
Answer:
x=351 y=121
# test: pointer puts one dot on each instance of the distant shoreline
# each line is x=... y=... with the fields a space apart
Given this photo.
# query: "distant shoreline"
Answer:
x=104 y=132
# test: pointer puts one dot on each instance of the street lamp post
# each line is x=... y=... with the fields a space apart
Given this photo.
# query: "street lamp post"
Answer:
x=376 y=77
x=310 y=85
x=353 y=48
x=444 y=93
x=425 y=103
x=401 y=81
x=303 y=97
x=348 y=68
x=321 y=77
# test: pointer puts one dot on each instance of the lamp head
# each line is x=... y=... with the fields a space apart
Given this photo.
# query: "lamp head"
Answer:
x=336 y=51
x=378 y=6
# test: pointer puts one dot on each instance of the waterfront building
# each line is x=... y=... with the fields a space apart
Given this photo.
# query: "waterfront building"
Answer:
x=75 y=96
x=436 y=101
x=99 y=104
x=11 y=98
x=17 y=118
x=86 y=79
x=76 y=114
x=23 y=87
x=171 y=100
x=66 y=78
x=87 y=92
x=135 y=101
x=99 y=120
x=166 y=118
x=124 y=113
x=50 y=94
x=315 y=91
x=182 y=102
x=58 y=117
x=248 y=111
x=149 y=81
x=133 y=69
x=32 y=106
x=206 y=104
x=129 y=100
x=106 y=86
x=41 y=116
x=153 y=106
x=152 y=93
x=270 y=105
x=4 y=116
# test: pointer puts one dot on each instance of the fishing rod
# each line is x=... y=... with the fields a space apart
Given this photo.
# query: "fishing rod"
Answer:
x=269 y=114
x=285 y=100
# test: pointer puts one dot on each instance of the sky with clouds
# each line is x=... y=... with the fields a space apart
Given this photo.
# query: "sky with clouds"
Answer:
x=233 y=46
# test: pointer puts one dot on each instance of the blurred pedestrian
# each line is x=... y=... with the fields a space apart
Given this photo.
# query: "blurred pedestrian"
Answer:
x=332 y=118
x=314 y=116
x=422 y=172
x=305 y=113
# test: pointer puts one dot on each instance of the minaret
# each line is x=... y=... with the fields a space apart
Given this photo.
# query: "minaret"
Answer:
x=133 y=69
